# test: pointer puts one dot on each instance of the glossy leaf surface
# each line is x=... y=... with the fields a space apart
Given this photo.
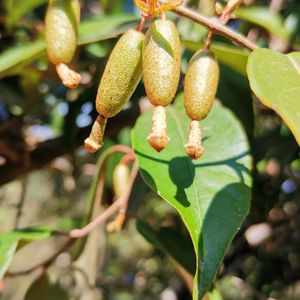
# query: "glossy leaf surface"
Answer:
x=211 y=194
x=275 y=80
x=9 y=242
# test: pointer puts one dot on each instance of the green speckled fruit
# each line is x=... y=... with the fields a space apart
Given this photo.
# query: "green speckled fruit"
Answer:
x=201 y=82
x=161 y=62
x=122 y=74
x=62 y=22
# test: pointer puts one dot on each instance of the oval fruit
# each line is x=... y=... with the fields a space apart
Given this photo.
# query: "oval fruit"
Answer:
x=62 y=22
x=161 y=62
x=201 y=82
x=120 y=179
x=122 y=74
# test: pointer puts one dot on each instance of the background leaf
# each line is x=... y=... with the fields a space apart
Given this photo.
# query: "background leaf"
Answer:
x=275 y=79
x=230 y=56
x=43 y=286
x=9 y=242
x=172 y=242
x=263 y=17
x=17 y=8
x=207 y=192
x=13 y=60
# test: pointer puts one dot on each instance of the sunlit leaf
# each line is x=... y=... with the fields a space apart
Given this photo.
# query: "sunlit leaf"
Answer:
x=211 y=194
x=275 y=80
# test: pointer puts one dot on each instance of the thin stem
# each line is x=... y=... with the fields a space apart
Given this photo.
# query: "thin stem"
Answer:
x=141 y=24
x=119 y=203
x=213 y=25
x=126 y=159
x=208 y=40
x=162 y=16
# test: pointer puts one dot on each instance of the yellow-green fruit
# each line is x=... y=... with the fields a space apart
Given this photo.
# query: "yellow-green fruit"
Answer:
x=120 y=179
x=122 y=74
x=161 y=62
x=200 y=86
x=62 y=22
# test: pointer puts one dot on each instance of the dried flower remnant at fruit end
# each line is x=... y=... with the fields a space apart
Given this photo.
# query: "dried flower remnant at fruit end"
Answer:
x=94 y=142
x=68 y=77
x=158 y=138
x=193 y=147
x=62 y=22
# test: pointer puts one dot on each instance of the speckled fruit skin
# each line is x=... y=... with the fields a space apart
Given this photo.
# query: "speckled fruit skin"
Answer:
x=161 y=62
x=122 y=74
x=201 y=82
x=62 y=22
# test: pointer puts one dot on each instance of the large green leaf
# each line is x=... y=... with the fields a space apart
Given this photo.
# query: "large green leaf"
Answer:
x=211 y=194
x=9 y=242
x=12 y=61
x=230 y=56
x=275 y=79
x=263 y=17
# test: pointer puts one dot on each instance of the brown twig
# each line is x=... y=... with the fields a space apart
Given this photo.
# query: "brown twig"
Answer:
x=214 y=25
x=119 y=204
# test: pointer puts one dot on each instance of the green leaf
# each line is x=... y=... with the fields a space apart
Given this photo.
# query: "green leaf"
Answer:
x=17 y=8
x=230 y=56
x=275 y=80
x=105 y=28
x=172 y=242
x=211 y=194
x=12 y=61
x=262 y=16
x=9 y=242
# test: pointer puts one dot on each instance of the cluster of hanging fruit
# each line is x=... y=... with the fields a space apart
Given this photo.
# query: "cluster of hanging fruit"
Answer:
x=155 y=56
